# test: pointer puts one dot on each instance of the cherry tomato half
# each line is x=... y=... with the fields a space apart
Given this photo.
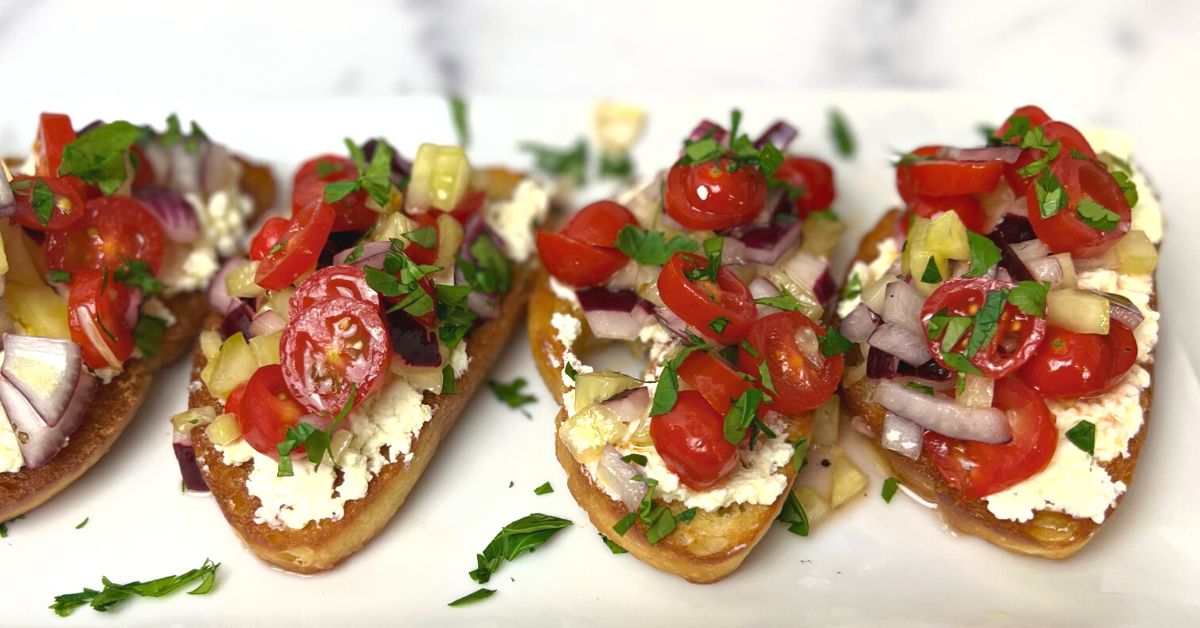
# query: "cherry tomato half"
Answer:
x=814 y=177
x=416 y=252
x=577 y=263
x=690 y=437
x=332 y=348
x=114 y=229
x=308 y=186
x=54 y=133
x=1066 y=231
x=1032 y=113
x=703 y=303
x=96 y=316
x=714 y=379
x=968 y=208
x=265 y=410
x=800 y=383
x=709 y=196
x=332 y=282
x=267 y=237
x=67 y=207
x=979 y=469
x=301 y=246
x=599 y=223
x=1016 y=337
x=945 y=177
x=1070 y=364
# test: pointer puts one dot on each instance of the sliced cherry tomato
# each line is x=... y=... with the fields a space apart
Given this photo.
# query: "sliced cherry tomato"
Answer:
x=114 y=229
x=703 y=303
x=709 y=196
x=332 y=282
x=968 y=208
x=1016 y=335
x=979 y=469
x=416 y=252
x=234 y=401
x=1012 y=172
x=469 y=205
x=903 y=185
x=266 y=410
x=325 y=168
x=96 y=314
x=944 y=177
x=54 y=133
x=67 y=208
x=267 y=237
x=1069 y=139
x=801 y=384
x=1066 y=231
x=1070 y=364
x=302 y=242
x=577 y=263
x=1032 y=113
x=814 y=177
x=599 y=223
x=332 y=348
x=714 y=379
x=690 y=437
x=351 y=212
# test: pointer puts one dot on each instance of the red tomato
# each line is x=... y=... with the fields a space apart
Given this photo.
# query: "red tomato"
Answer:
x=1032 y=113
x=266 y=410
x=577 y=263
x=351 y=212
x=700 y=302
x=903 y=185
x=968 y=208
x=268 y=236
x=54 y=133
x=69 y=207
x=1065 y=231
x=714 y=379
x=979 y=469
x=815 y=177
x=708 y=196
x=599 y=223
x=469 y=205
x=96 y=308
x=234 y=401
x=143 y=173
x=302 y=242
x=1012 y=172
x=332 y=282
x=331 y=348
x=1070 y=364
x=416 y=252
x=943 y=177
x=1069 y=138
x=800 y=383
x=114 y=229
x=326 y=168
x=690 y=437
x=1017 y=334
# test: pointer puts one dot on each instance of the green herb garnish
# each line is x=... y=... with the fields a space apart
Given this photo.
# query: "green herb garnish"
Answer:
x=650 y=248
x=98 y=157
x=743 y=412
x=113 y=594
x=543 y=489
x=834 y=343
x=148 y=333
x=613 y=547
x=890 y=486
x=316 y=442
x=458 y=114
x=136 y=273
x=1029 y=297
x=794 y=515
x=510 y=394
x=471 y=598
x=1097 y=216
x=984 y=254
x=569 y=163
x=523 y=535
x=1083 y=436
x=839 y=130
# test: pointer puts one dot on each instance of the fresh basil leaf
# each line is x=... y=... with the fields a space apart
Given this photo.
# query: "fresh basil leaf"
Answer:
x=425 y=237
x=702 y=150
x=764 y=377
x=921 y=388
x=794 y=515
x=511 y=394
x=43 y=201
x=834 y=343
x=853 y=287
x=624 y=523
x=890 y=486
x=523 y=535
x=799 y=454
x=1083 y=436
x=471 y=598
x=662 y=524
x=1051 y=195
x=960 y=363
x=687 y=515
x=4 y=525
x=956 y=326
x=339 y=190
x=1029 y=297
x=1097 y=216
x=718 y=324
x=650 y=248
x=637 y=459
x=454 y=314
x=613 y=547
x=741 y=415
x=148 y=333
x=931 y=274
x=113 y=594
x=569 y=163
x=543 y=489
x=59 y=276
x=98 y=157
x=616 y=165
x=449 y=386
x=984 y=254
x=986 y=322
x=136 y=273
x=377 y=178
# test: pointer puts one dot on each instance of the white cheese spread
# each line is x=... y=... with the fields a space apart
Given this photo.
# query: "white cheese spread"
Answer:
x=514 y=219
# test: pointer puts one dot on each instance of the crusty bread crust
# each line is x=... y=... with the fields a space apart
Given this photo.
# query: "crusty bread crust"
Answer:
x=321 y=545
x=116 y=403
x=1049 y=534
x=704 y=550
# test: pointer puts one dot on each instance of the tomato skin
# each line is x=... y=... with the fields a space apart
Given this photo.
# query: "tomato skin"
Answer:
x=1066 y=232
x=99 y=303
x=978 y=469
x=904 y=184
x=265 y=410
x=331 y=348
x=267 y=237
x=1069 y=138
x=690 y=437
x=308 y=186
x=715 y=380
x=815 y=176
x=54 y=133
x=577 y=263
x=1033 y=113
x=702 y=301
x=799 y=384
x=968 y=208
x=327 y=168
x=416 y=252
x=943 y=177
x=963 y=297
x=1069 y=365
x=709 y=196
x=302 y=242
x=599 y=223
x=332 y=282
x=69 y=206
x=114 y=229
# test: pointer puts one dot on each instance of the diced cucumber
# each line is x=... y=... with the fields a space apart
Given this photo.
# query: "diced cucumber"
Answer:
x=595 y=387
x=1079 y=311
x=440 y=177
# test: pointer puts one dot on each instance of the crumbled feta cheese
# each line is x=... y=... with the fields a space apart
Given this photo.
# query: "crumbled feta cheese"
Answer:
x=563 y=291
x=514 y=219
x=459 y=360
x=569 y=329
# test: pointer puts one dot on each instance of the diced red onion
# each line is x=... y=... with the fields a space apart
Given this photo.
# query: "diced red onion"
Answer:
x=631 y=405
x=413 y=343
x=38 y=440
x=87 y=324
x=1030 y=250
x=1013 y=229
x=185 y=162
x=618 y=475
x=8 y=202
x=189 y=469
x=902 y=306
x=372 y=255
x=265 y=323
x=811 y=272
x=780 y=133
x=708 y=128
x=237 y=319
x=766 y=244
x=219 y=298
x=901 y=341
x=219 y=170
x=1007 y=154
x=614 y=314
x=1047 y=269
x=880 y=364
x=675 y=325
x=902 y=436
x=860 y=424
x=930 y=371
x=45 y=370
x=733 y=252
x=943 y=415
x=1122 y=309
x=859 y=324
x=762 y=288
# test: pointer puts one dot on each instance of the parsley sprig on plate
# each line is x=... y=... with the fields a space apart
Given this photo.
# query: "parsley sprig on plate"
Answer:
x=113 y=594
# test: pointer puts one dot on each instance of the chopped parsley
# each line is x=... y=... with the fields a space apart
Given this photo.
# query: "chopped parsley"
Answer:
x=890 y=486
x=984 y=254
x=1051 y=194
x=543 y=489
x=839 y=130
x=651 y=248
x=490 y=272
x=743 y=412
x=637 y=459
x=782 y=301
x=931 y=274
x=960 y=363
x=470 y=598
x=718 y=324
x=853 y=287
x=136 y=273
x=986 y=323
x=374 y=178
x=425 y=237
x=449 y=386
x=956 y=326
x=921 y=388
x=455 y=316
x=834 y=343
x=4 y=525
x=1097 y=216
x=667 y=390
x=316 y=442
x=510 y=394
x=1083 y=436
x=764 y=376
x=83 y=523
x=98 y=157
x=712 y=267
x=794 y=515
x=523 y=535
x=43 y=201
x=148 y=333
x=569 y=370
x=799 y=454
x=400 y=277
x=612 y=547
x=616 y=166
x=1029 y=297
x=458 y=114
x=113 y=594
x=569 y=163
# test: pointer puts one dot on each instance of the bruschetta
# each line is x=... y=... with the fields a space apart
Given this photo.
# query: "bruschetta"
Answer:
x=1006 y=323
x=716 y=273
x=348 y=342
x=110 y=236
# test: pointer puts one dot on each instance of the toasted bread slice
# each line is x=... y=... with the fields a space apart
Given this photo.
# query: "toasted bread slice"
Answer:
x=1049 y=534
x=704 y=550
x=321 y=545
x=115 y=403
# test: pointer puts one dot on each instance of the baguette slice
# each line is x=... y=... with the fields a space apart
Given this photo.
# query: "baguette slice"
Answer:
x=116 y=403
x=320 y=546
x=1049 y=534
x=705 y=550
